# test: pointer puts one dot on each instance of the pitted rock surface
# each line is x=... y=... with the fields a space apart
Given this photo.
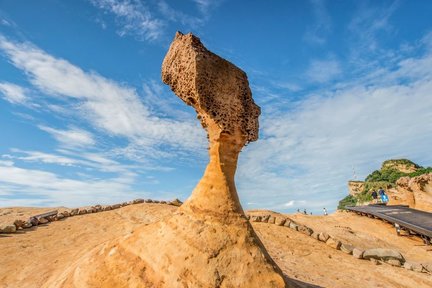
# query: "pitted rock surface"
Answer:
x=218 y=90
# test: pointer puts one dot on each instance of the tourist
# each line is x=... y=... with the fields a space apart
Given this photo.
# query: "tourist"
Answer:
x=304 y=211
x=374 y=196
x=325 y=211
x=382 y=194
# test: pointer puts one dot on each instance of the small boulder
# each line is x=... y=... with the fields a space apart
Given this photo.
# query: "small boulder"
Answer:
x=82 y=211
x=280 y=221
x=383 y=254
x=74 y=212
x=60 y=216
x=417 y=267
x=394 y=262
x=305 y=230
x=137 y=201
x=65 y=213
x=271 y=220
x=156 y=201
x=34 y=221
x=107 y=208
x=27 y=224
x=265 y=218
x=175 y=202
x=287 y=223
x=323 y=236
x=358 y=253
x=293 y=226
x=19 y=223
x=8 y=228
x=333 y=243
x=347 y=248
x=43 y=220
x=315 y=235
x=115 y=206
x=148 y=201
x=256 y=218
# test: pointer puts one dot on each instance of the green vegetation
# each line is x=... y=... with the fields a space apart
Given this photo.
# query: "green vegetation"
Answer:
x=347 y=201
x=386 y=178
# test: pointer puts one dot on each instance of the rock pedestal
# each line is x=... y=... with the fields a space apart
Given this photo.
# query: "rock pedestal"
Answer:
x=208 y=242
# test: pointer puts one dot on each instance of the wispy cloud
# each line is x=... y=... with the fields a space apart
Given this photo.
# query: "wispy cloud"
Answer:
x=317 y=32
x=13 y=93
x=106 y=105
x=322 y=71
x=368 y=23
x=72 y=138
x=133 y=18
x=308 y=153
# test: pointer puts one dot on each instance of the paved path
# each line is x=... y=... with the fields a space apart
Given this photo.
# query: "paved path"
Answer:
x=407 y=218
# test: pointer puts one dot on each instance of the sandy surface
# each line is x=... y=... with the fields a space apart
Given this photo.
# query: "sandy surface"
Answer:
x=29 y=258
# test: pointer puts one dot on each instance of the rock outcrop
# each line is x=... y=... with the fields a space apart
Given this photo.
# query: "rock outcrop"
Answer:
x=415 y=192
x=355 y=187
x=208 y=242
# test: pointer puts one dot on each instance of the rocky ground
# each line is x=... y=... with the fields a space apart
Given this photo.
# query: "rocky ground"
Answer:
x=31 y=256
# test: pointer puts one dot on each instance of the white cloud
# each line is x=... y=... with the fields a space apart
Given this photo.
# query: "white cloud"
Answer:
x=113 y=108
x=308 y=153
x=133 y=17
x=46 y=188
x=321 y=71
x=73 y=137
x=13 y=93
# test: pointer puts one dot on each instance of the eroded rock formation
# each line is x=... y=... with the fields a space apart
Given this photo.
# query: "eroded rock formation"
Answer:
x=415 y=192
x=208 y=242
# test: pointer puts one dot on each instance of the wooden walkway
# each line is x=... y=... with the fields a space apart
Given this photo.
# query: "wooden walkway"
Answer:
x=402 y=217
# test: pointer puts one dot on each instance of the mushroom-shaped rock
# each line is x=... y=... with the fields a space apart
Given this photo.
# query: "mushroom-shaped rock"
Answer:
x=208 y=241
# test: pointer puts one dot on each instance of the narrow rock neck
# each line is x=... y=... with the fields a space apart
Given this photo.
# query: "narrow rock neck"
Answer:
x=216 y=192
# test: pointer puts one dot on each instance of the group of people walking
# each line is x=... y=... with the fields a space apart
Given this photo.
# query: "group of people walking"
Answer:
x=380 y=197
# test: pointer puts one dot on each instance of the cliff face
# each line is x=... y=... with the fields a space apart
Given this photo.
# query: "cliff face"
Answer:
x=415 y=192
x=355 y=187
x=401 y=165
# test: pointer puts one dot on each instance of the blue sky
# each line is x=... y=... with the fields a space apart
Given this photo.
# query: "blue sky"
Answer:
x=85 y=118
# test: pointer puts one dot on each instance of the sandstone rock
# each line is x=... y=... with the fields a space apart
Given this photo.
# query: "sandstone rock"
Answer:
x=280 y=221
x=315 y=235
x=137 y=201
x=98 y=208
x=417 y=267
x=27 y=224
x=123 y=204
x=383 y=254
x=8 y=228
x=394 y=262
x=82 y=211
x=271 y=220
x=148 y=201
x=375 y=261
x=43 y=220
x=163 y=202
x=358 y=253
x=60 y=216
x=65 y=213
x=293 y=226
x=176 y=202
x=156 y=201
x=355 y=187
x=107 y=208
x=34 y=221
x=305 y=230
x=207 y=242
x=256 y=218
x=287 y=223
x=115 y=206
x=427 y=267
x=415 y=192
x=265 y=218
x=74 y=212
x=248 y=217
x=334 y=243
x=323 y=236
x=19 y=223
x=346 y=248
